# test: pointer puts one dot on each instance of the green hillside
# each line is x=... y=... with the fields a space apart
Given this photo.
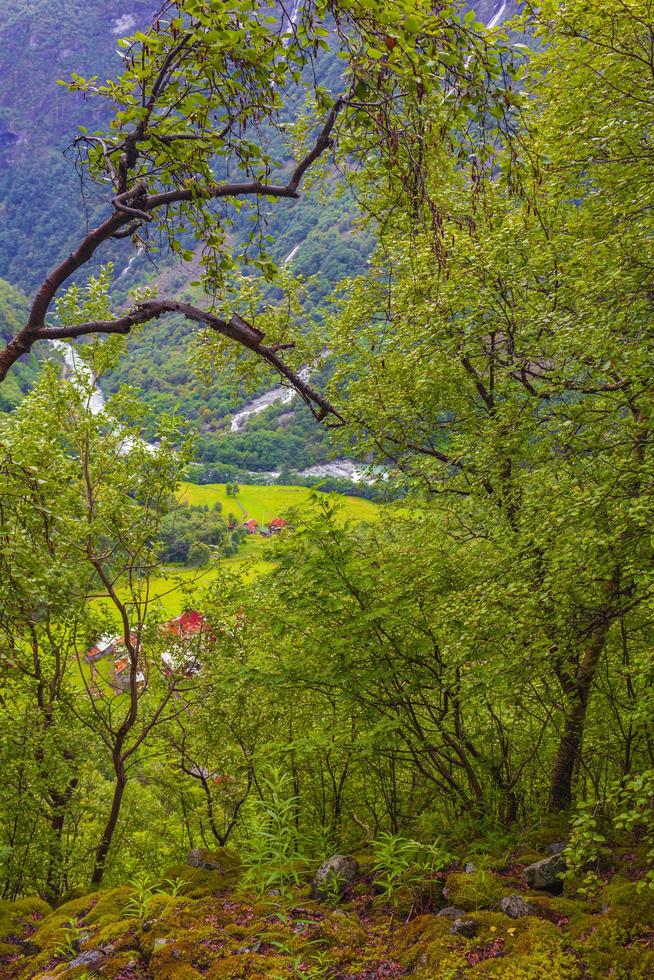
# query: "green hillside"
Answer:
x=13 y=305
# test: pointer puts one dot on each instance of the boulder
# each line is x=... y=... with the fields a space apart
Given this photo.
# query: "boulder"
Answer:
x=557 y=847
x=464 y=927
x=545 y=875
x=90 y=959
x=333 y=874
x=515 y=907
x=450 y=912
x=200 y=857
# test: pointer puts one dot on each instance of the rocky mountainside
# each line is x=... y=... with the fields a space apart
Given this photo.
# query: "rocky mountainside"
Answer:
x=41 y=42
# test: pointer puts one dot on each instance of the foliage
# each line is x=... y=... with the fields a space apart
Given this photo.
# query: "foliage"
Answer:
x=186 y=528
x=274 y=856
x=144 y=894
x=401 y=863
x=470 y=662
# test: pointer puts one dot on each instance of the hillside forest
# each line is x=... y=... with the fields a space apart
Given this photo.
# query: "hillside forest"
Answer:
x=326 y=490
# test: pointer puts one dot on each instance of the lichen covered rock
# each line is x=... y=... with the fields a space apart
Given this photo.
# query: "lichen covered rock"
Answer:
x=546 y=874
x=333 y=874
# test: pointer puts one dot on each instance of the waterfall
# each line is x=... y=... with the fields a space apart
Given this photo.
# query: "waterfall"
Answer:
x=128 y=268
x=281 y=395
x=497 y=16
x=79 y=371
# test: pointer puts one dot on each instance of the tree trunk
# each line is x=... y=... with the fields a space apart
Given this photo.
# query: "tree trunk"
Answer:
x=107 y=836
x=54 y=877
x=568 y=755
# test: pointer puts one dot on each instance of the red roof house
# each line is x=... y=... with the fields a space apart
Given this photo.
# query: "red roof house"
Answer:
x=251 y=526
x=277 y=524
x=190 y=623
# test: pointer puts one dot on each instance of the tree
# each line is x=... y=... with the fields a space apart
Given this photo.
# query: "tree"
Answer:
x=496 y=356
x=206 y=100
x=199 y=554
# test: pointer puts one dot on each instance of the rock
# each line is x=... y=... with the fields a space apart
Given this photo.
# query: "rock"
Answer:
x=515 y=907
x=29 y=948
x=546 y=874
x=450 y=912
x=557 y=847
x=92 y=958
x=160 y=942
x=334 y=873
x=470 y=868
x=256 y=947
x=199 y=857
x=464 y=927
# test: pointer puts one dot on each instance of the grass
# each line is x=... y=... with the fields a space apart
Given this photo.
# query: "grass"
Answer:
x=264 y=503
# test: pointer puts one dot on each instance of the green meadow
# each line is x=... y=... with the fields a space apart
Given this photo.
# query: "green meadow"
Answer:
x=265 y=503
x=175 y=588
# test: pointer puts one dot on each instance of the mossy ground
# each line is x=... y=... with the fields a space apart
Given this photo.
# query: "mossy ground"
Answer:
x=211 y=929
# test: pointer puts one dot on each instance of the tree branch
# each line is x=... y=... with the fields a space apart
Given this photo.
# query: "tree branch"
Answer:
x=135 y=203
x=236 y=328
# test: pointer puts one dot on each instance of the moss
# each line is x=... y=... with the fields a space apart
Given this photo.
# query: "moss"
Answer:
x=119 y=934
x=177 y=972
x=119 y=964
x=534 y=936
x=16 y=917
x=633 y=907
x=443 y=961
x=531 y=966
x=619 y=963
x=556 y=907
x=603 y=932
x=8 y=949
x=200 y=882
x=197 y=948
x=340 y=929
x=552 y=828
x=51 y=931
x=479 y=890
x=109 y=905
x=253 y=966
x=527 y=855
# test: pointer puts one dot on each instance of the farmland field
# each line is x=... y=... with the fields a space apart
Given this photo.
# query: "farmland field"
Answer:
x=263 y=503
x=174 y=586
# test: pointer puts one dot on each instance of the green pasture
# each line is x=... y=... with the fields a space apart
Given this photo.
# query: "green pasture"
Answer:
x=176 y=588
x=264 y=503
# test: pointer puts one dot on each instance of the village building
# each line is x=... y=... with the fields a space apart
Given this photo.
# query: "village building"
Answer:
x=190 y=623
x=122 y=674
x=277 y=524
x=251 y=526
x=179 y=658
x=104 y=647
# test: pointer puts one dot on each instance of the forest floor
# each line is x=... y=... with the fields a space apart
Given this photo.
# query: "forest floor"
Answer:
x=213 y=928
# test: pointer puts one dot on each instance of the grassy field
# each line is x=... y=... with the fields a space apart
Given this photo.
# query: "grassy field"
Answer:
x=174 y=588
x=177 y=588
x=264 y=503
